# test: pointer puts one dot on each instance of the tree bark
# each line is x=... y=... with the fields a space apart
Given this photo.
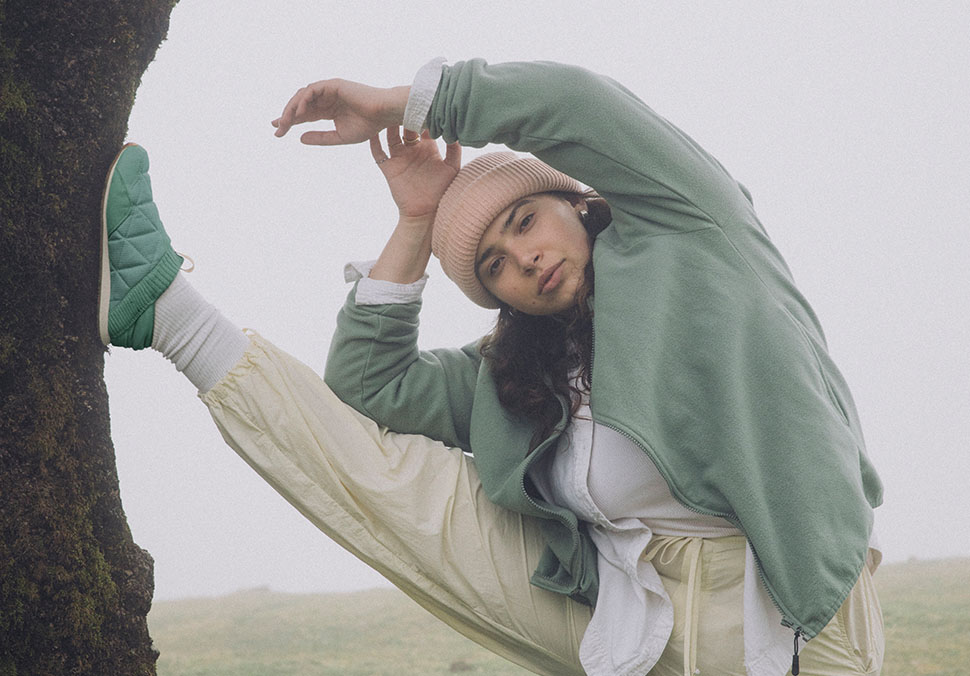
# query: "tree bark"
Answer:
x=74 y=588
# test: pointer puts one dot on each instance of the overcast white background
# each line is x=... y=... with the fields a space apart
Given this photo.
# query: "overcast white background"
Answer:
x=847 y=121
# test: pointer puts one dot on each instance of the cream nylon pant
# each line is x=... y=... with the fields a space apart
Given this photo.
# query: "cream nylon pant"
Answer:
x=414 y=510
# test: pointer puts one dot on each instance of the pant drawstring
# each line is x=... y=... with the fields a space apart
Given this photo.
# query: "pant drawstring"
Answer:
x=666 y=548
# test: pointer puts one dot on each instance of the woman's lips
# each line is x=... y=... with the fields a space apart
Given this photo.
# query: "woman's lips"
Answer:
x=550 y=278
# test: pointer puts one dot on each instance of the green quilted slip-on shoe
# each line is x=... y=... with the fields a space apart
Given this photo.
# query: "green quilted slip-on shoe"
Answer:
x=137 y=259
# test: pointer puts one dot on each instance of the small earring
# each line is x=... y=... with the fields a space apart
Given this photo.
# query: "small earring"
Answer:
x=584 y=216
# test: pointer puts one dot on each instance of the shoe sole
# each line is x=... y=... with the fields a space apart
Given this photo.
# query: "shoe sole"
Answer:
x=104 y=292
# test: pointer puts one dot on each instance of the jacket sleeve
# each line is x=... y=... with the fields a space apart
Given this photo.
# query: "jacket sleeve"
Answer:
x=374 y=365
x=593 y=129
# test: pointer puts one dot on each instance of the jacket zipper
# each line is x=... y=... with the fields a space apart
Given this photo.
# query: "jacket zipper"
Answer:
x=785 y=621
x=534 y=457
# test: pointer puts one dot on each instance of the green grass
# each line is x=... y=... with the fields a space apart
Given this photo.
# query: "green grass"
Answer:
x=370 y=633
x=926 y=605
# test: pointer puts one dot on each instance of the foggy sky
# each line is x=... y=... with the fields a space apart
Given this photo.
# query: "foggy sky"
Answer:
x=847 y=124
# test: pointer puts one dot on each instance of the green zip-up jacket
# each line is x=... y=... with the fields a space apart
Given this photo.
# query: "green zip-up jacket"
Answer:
x=705 y=353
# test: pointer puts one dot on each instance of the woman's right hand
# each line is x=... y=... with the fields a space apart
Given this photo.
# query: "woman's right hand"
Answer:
x=416 y=174
x=358 y=111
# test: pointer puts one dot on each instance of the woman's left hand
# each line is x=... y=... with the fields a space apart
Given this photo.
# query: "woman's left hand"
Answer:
x=415 y=172
x=358 y=111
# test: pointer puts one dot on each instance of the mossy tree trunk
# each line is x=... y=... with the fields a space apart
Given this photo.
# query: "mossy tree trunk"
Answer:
x=74 y=588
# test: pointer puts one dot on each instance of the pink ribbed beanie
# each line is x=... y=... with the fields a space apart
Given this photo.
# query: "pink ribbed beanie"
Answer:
x=481 y=191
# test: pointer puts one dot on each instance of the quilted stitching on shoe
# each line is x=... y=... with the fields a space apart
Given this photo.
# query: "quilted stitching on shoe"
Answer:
x=136 y=240
x=142 y=262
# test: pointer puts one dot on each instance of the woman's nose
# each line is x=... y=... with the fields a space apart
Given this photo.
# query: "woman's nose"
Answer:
x=528 y=260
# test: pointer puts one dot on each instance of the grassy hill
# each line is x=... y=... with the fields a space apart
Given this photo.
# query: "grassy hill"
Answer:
x=380 y=632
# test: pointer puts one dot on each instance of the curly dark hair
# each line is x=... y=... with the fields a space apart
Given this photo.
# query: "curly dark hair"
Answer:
x=532 y=356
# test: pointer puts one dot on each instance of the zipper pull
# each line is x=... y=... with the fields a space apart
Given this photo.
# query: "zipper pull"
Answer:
x=794 y=657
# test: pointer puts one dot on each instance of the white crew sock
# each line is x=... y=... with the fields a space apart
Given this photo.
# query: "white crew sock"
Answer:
x=193 y=335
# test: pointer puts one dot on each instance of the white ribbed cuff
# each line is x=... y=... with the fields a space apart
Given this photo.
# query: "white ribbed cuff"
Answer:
x=422 y=94
x=380 y=291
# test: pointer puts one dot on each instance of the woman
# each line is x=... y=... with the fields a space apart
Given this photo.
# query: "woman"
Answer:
x=707 y=491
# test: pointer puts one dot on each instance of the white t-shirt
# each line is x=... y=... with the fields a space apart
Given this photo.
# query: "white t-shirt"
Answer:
x=626 y=501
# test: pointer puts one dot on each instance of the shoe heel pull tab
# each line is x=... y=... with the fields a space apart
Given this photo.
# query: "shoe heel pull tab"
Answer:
x=794 y=657
x=191 y=263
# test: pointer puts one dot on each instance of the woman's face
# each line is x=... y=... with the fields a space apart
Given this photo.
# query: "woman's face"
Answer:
x=532 y=257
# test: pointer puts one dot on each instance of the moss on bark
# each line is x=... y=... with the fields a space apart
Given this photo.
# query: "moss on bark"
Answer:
x=74 y=588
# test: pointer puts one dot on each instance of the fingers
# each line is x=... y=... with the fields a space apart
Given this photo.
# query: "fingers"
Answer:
x=376 y=151
x=295 y=110
x=320 y=138
x=395 y=144
x=453 y=155
x=394 y=137
x=285 y=120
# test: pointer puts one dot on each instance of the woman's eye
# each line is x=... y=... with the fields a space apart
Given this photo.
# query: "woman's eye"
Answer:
x=525 y=222
x=494 y=267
